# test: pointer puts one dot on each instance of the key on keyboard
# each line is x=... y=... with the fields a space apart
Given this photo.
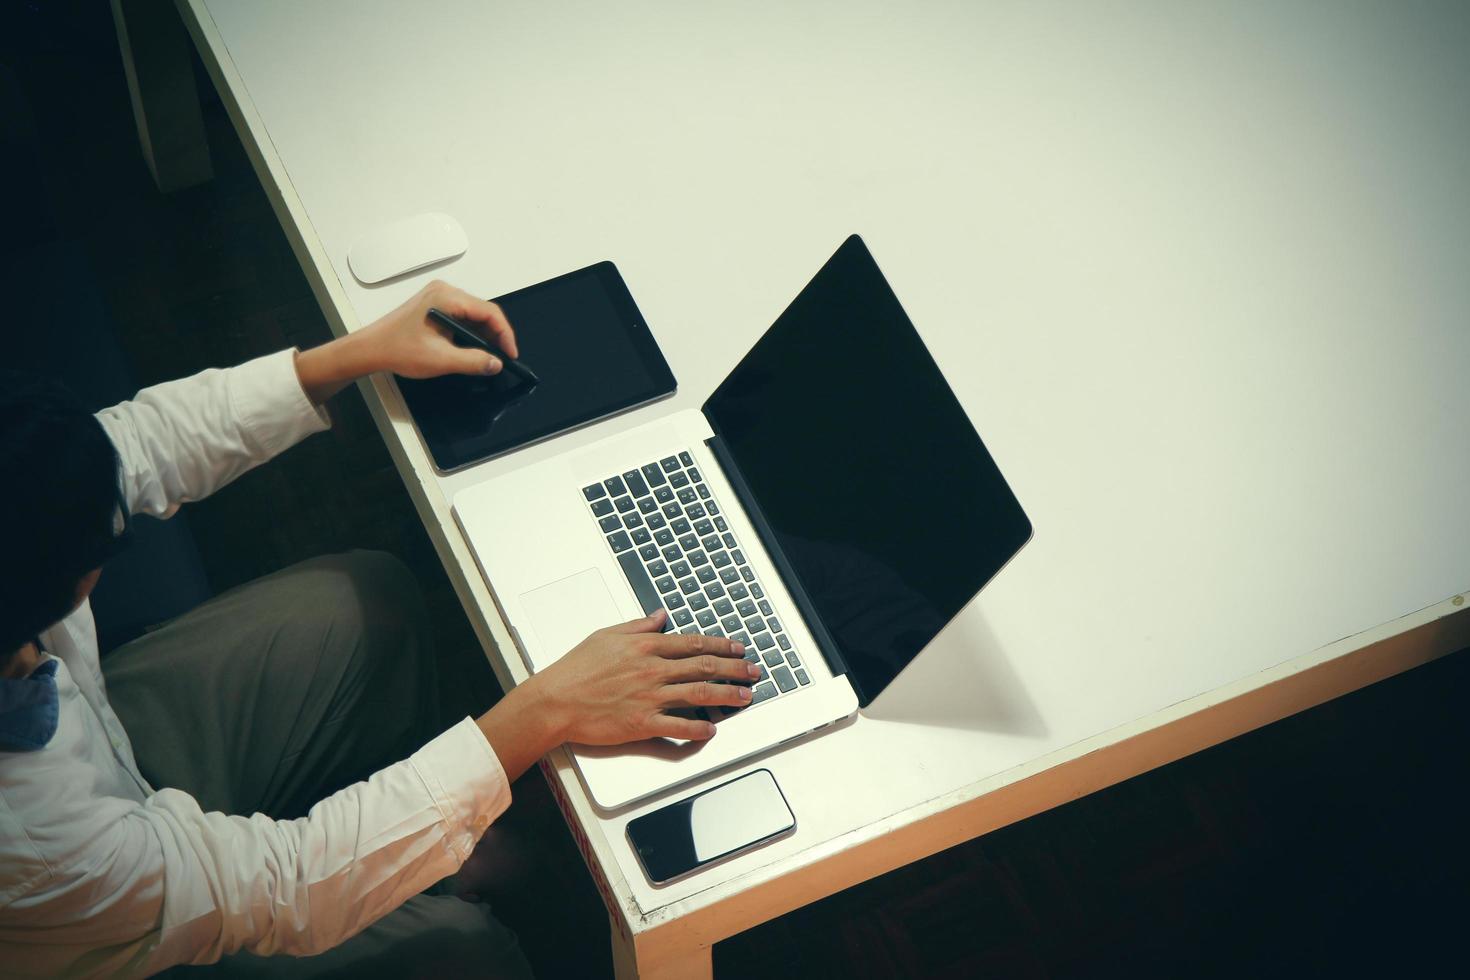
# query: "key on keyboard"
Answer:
x=636 y=486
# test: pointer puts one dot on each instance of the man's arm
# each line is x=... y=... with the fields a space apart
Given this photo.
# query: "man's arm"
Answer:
x=133 y=888
x=407 y=343
x=184 y=439
x=179 y=885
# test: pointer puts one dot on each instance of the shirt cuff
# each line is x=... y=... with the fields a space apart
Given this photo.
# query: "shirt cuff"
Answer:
x=271 y=404
x=466 y=781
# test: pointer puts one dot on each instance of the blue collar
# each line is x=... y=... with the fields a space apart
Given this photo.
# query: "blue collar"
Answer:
x=29 y=709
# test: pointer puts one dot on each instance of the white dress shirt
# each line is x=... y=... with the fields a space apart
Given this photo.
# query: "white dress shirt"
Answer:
x=100 y=874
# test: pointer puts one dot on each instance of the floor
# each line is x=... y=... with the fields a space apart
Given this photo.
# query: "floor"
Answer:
x=1329 y=843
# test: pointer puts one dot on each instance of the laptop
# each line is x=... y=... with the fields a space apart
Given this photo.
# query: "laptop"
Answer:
x=831 y=507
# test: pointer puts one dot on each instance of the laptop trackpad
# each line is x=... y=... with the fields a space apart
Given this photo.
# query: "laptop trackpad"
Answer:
x=566 y=611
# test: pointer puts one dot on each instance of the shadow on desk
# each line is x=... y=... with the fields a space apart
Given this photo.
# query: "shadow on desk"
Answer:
x=962 y=680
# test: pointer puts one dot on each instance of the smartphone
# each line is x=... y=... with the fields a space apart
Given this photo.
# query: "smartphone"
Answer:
x=721 y=822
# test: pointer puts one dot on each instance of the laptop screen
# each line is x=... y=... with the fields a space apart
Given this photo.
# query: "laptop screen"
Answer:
x=884 y=504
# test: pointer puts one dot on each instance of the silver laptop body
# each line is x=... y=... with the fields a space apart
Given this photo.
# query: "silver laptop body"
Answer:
x=555 y=580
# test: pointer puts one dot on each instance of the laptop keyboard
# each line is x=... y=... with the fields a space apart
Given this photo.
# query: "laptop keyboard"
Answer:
x=666 y=530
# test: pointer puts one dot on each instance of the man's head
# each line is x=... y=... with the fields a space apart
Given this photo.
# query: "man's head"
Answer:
x=58 y=506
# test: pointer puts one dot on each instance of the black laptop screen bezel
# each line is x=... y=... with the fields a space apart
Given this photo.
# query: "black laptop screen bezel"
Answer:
x=770 y=368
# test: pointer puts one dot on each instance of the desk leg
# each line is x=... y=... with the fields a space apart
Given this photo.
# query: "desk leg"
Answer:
x=645 y=957
x=156 y=59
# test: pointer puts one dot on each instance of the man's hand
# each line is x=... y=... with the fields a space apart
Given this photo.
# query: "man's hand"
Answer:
x=405 y=342
x=613 y=687
x=617 y=686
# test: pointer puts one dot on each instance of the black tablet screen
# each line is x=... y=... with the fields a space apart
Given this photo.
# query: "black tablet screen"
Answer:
x=583 y=336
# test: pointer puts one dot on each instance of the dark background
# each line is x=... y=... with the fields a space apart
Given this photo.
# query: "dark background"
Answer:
x=1329 y=843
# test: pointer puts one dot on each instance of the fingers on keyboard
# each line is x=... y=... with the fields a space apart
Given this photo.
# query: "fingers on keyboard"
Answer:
x=706 y=693
x=671 y=726
x=662 y=524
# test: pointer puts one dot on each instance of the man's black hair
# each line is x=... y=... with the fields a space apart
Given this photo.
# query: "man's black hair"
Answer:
x=58 y=502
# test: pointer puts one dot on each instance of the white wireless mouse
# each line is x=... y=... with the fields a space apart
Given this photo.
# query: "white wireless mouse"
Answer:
x=404 y=246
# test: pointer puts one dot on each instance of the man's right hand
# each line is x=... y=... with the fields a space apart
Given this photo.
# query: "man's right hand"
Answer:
x=617 y=686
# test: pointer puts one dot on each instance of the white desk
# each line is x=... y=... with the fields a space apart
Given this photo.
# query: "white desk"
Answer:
x=1198 y=277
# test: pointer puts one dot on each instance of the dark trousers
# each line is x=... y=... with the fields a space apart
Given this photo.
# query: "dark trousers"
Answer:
x=282 y=691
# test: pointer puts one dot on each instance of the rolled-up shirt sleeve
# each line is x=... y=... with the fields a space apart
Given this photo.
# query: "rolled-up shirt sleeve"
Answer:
x=186 y=886
x=303 y=886
x=183 y=440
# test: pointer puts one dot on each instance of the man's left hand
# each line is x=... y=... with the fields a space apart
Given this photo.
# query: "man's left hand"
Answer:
x=406 y=342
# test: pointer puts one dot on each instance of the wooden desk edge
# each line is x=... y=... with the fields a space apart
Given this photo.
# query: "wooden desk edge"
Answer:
x=669 y=932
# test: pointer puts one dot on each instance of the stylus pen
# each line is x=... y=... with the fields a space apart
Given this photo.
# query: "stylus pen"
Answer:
x=513 y=366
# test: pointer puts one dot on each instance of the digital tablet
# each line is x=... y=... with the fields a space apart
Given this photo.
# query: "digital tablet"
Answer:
x=583 y=335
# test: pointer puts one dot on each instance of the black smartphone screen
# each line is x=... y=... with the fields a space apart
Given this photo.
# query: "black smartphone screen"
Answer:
x=583 y=335
x=718 y=823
